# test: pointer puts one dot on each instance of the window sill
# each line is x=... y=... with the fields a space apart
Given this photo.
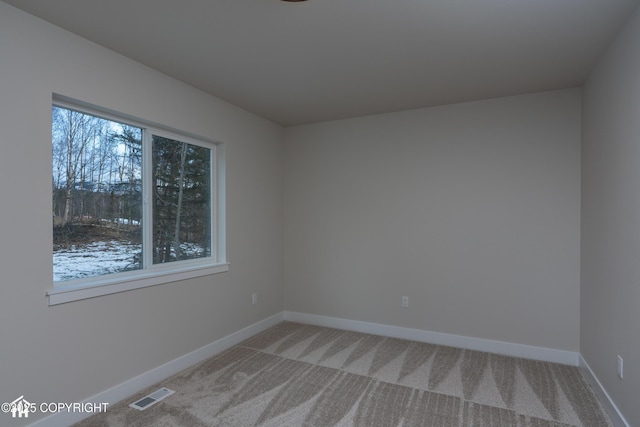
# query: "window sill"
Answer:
x=104 y=286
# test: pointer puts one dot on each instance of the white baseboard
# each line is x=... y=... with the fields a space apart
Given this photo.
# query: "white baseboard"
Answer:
x=149 y=378
x=614 y=413
x=500 y=347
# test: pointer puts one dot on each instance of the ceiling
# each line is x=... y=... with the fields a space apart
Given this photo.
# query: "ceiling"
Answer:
x=304 y=62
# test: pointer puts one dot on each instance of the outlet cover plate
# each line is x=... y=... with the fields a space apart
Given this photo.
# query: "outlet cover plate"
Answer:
x=620 y=367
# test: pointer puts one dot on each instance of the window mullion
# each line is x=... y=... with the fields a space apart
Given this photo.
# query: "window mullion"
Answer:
x=147 y=198
x=218 y=203
x=213 y=209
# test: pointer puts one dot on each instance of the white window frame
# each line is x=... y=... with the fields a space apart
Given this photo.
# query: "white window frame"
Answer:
x=153 y=274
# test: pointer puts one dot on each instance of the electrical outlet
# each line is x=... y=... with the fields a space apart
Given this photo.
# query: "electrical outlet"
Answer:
x=620 y=367
x=254 y=298
x=405 y=302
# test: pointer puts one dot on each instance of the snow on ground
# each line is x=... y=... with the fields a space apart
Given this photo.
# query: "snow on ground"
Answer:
x=190 y=250
x=104 y=257
x=94 y=259
x=125 y=221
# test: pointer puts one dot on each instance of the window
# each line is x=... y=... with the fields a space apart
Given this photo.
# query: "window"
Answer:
x=133 y=205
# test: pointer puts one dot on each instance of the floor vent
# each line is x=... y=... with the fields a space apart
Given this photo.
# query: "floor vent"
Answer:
x=151 y=399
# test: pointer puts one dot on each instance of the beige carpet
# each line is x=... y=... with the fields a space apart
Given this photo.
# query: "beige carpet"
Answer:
x=302 y=375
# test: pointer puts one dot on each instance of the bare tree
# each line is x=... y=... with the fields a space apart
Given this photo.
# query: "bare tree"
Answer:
x=71 y=133
x=176 y=233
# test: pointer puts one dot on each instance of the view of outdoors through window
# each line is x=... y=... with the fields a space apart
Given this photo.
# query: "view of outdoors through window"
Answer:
x=98 y=195
x=181 y=208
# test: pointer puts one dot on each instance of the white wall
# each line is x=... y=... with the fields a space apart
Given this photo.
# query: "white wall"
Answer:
x=472 y=210
x=610 y=268
x=70 y=352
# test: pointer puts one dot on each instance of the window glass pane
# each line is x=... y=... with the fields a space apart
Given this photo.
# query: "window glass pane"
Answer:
x=181 y=200
x=97 y=195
